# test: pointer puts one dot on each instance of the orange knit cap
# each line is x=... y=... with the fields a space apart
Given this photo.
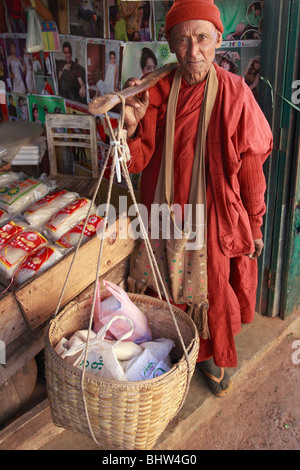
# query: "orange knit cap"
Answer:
x=185 y=10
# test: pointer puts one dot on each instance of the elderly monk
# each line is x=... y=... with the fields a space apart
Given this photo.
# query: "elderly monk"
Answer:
x=200 y=139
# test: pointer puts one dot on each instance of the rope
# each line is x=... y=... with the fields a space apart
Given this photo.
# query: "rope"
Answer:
x=119 y=149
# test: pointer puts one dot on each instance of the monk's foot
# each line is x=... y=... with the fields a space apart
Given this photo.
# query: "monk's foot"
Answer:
x=216 y=378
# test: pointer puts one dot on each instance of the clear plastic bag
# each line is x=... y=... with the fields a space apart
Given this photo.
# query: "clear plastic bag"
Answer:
x=40 y=212
x=34 y=39
x=120 y=304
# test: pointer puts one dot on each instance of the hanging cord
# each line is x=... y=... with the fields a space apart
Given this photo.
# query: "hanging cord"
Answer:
x=119 y=149
x=147 y=243
x=267 y=82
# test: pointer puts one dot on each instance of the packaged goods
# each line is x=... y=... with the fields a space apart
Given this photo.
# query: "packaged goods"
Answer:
x=17 y=197
x=68 y=217
x=10 y=230
x=37 y=262
x=71 y=238
x=4 y=217
x=42 y=211
x=9 y=177
x=12 y=254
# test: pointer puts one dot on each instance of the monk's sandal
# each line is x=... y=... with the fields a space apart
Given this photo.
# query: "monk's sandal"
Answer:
x=216 y=378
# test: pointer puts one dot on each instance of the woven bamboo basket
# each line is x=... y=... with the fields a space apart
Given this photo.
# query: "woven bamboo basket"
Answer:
x=122 y=415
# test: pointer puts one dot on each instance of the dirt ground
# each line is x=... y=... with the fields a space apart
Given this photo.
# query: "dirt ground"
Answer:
x=264 y=413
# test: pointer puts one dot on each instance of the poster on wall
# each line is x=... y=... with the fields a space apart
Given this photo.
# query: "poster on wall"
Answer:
x=4 y=75
x=17 y=107
x=50 y=36
x=161 y=8
x=86 y=18
x=142 y=58
x=242 y=19
x=104 y=66
x=15 y=13
x=70 y=65
x=20 y=66
x=130 y=20
x=3 y=23
x=39 y=106
x=243 y=61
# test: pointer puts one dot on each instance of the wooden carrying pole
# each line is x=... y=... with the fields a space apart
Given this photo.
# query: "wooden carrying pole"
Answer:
x=102 y=104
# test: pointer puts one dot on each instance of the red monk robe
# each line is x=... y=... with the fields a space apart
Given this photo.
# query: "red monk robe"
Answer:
x=238 y=142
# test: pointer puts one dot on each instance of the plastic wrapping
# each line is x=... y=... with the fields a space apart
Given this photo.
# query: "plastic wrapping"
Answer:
x=12 y=254
x=4 y=217
x=10 y=230
x=34 y=39
x=68 y=217
x=44 y=209
x=9 y=177
x=18 y=196
x=71 y=238
x=37 y=262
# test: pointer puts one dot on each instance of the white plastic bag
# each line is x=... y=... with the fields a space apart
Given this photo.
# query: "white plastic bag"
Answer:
x=120 y=304
x=154 y=360
x=34 y=39
x=101 y=356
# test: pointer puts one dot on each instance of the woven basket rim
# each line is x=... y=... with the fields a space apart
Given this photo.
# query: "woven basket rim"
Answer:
x=54 y=323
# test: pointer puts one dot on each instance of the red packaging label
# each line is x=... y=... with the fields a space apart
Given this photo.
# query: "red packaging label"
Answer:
x=8 y=231
x=68 y=210
x=26 y=241
x=89 y=231
x=37 y=259
x=44 y=201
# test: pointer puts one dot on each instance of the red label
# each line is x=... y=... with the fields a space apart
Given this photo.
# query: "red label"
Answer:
x=89 y=231
x=37 y=259
x=44 y=201
x=68 y=210
x=26 y=241
x=8 y=231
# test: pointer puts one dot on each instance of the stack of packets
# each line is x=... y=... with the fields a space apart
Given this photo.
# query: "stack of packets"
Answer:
x=39 y=225
x=31 y=154
x=124 y=353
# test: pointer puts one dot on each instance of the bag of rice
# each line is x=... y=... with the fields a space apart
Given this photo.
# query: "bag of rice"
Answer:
x=12 y=254
x=9 y=177
x=10 y=230
x=37 y=262
x=45 y=208
x=68 y=217
x=17 y=197
x=71 y=238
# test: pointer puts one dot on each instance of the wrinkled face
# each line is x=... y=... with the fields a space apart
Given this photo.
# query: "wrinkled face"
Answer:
x=194 y=43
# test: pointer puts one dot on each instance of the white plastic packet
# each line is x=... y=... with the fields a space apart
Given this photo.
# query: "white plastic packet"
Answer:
x=71 y=238
x=4 y=217
x=37 y=262
x=68 y=217
x=34 y=38
x=101 y=356
x=154 y=361
x=18 y=196
x=12 y=254
x=40 y=212
x=10 y=230
x=9 y=177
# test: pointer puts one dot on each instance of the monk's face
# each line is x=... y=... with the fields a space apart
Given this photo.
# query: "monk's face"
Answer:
x=194 y=42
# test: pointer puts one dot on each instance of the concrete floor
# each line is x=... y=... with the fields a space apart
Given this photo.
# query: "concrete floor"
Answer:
x=253 y=343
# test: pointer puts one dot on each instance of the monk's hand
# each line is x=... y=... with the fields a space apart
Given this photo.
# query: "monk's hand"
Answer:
x=136 y=107
x=258 y=244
